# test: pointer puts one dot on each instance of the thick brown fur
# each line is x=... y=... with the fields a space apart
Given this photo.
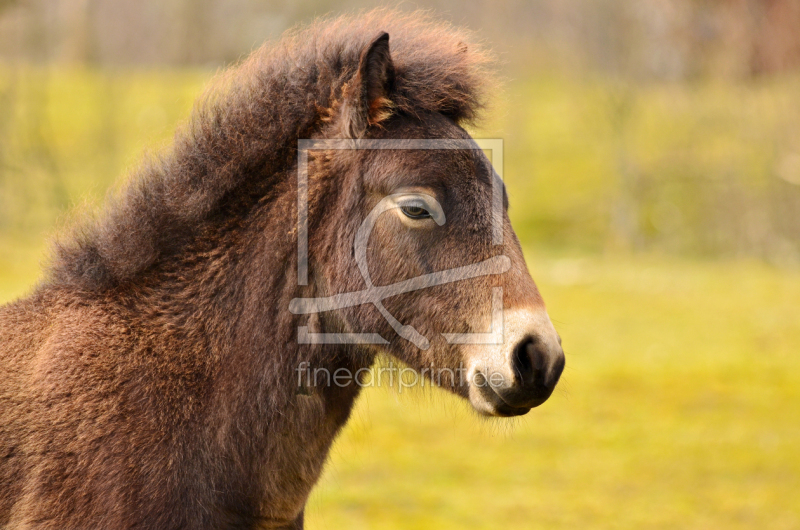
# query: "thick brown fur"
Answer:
x=244 y=133
x=150 y=380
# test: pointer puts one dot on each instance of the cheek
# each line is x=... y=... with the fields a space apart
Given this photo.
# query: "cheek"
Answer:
x=397 y=253
x=453 y=308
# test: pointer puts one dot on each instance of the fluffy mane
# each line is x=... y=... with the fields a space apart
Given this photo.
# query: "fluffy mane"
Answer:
x=242 y=136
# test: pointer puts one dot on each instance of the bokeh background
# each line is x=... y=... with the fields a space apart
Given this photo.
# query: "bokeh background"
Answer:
x=652 y=156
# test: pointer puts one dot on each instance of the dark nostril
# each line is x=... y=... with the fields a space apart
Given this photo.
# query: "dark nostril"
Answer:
x=536 y=366
x=526 y=362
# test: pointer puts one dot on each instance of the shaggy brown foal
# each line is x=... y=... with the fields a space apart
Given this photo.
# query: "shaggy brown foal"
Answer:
x=151 y=380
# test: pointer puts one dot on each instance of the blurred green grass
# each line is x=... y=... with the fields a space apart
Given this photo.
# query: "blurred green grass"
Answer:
x=67 y=135
x=704 y=168
x=678 y=407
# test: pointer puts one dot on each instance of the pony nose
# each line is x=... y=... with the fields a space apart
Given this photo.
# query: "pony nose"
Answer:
x=523 y=371
x=537 y=365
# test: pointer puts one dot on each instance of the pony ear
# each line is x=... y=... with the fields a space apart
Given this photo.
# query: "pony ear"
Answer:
x=366 y=100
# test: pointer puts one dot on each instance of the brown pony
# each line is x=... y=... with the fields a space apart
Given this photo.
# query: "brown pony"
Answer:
x=156 y=378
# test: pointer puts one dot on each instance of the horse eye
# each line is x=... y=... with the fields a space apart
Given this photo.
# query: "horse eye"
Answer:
x=415 y=212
